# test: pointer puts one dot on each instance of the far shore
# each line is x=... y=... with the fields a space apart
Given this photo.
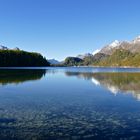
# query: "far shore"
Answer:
x=99 y=66
x=131 y=67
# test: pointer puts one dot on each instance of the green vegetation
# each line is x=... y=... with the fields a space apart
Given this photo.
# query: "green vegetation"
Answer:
x=87 y=61
x=73 y=61
x=93 y=60
x=19 y=58
x=119 y=58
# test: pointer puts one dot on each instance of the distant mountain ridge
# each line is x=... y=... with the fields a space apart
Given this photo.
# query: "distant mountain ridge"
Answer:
x=133 y=46
x=6 y=48
x=53 y=61
x=116 y=54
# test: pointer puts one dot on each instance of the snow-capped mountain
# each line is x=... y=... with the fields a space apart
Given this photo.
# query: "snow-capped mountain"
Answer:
x=133 y=46
x=114 y=44
x=109 y=49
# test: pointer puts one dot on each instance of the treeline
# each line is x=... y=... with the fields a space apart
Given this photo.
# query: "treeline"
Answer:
x=19 y=58
x=72 y=61
x=86 y=61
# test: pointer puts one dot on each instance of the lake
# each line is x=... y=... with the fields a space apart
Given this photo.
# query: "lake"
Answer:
x=69 y=103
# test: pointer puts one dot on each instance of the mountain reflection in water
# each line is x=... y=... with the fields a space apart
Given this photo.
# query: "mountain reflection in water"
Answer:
x=114 y=82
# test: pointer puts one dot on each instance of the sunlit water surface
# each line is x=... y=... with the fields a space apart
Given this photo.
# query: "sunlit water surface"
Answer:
x=69 y=103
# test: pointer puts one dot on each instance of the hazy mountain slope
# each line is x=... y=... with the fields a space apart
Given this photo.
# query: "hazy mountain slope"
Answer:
x=53 y=61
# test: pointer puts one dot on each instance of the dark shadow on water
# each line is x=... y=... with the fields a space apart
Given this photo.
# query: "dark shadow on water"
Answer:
x=16 y=76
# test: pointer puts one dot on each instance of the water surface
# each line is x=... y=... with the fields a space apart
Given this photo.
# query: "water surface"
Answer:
x=69 y=103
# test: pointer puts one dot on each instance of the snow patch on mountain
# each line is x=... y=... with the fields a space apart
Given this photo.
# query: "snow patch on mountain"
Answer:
x=136 y=40
x=95 y=52
x=114 y=44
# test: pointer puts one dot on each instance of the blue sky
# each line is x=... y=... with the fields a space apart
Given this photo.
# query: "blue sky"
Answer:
x=60 y=28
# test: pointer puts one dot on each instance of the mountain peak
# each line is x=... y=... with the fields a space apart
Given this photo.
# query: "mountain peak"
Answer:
x=137 y=39
x=114 y=44
x=111 y=47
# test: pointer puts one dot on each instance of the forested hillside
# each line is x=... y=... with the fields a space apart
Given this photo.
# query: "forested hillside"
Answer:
x=18 y=58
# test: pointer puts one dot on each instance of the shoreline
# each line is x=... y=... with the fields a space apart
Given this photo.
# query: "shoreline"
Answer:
x=101 y=66
x=124 y=67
